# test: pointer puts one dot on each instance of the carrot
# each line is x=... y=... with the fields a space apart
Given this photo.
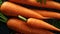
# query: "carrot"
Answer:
x=48 y=13
x=39 y=23
x=21 y=26
x=12 y=9
x=49 y=4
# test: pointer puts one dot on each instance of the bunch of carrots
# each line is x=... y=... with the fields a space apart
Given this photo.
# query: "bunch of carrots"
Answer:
x=29 y=21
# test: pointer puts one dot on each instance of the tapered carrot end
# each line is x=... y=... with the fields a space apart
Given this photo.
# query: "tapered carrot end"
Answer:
x=58 y=30
x=46 y=18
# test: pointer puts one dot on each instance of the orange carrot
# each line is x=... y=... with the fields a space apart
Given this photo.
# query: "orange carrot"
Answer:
x=48 y=13
x=20 y=26
x=12 y=9
x=49 y=4
x=41 y=24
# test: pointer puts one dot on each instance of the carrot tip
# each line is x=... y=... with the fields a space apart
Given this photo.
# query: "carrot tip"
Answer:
x=46 y=17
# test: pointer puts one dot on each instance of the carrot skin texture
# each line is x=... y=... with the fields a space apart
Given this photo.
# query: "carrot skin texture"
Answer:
x=48 y=13
x=12 y=9
x=49 y=4
x=41 y=24
x=20 y=26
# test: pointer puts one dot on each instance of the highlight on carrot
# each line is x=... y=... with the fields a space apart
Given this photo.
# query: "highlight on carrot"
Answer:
x=12 y=9
x=40 y=24
x=20 y=26
x=49 y=4
x=50 y=14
